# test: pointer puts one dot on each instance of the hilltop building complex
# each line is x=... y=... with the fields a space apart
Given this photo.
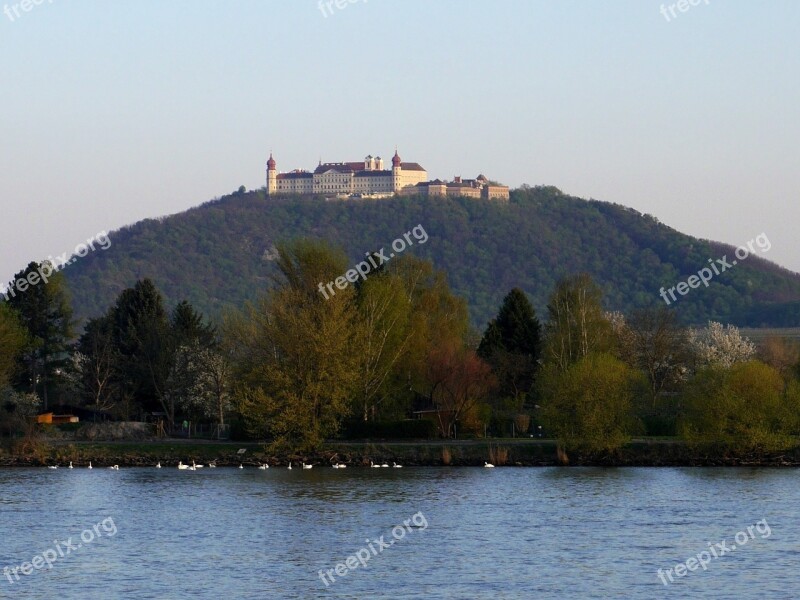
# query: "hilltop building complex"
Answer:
x=369 y=178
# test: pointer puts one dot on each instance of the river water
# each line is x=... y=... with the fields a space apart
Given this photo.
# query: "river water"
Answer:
x=447 y=533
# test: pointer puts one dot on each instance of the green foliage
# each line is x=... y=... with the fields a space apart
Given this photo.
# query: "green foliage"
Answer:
x=512 y=344
x=145 y=349
x=590 y=405
x=13 y=339
x=221 y=254
x=294 y=353
x=406 y=429
x=744 y=408
x=577 y=325
x=46 y=313
x=189 y=326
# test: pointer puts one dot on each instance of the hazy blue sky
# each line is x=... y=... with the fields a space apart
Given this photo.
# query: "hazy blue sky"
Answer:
x=114 y=112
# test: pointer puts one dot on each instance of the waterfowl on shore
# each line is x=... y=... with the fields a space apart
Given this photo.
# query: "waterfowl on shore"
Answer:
x=488 y=465
x=305 y=466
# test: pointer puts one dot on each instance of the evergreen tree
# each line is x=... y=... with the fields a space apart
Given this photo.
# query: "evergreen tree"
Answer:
x=188 y=325
x=511 y=344
x=141 y=334
x=13 y=338
x=45 y=312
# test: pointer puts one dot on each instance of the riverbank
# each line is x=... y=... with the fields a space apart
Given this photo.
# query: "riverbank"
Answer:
x=510 y=452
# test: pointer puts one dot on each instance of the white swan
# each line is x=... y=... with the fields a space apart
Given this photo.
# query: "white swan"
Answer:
x=182 y=466
x=336 y=466
x=52 y=466
x=305 y=466
x=373 y=465
x=290 y=465
x=114 y=468
x=396 y=466
x=90 y=465
x=70 y=465
x=196 y=466
x=212 y=464
x=384 y=466
x=488 y=465
x=342 y=466
x=241 y=466
x=264 y=467
x=158 y=465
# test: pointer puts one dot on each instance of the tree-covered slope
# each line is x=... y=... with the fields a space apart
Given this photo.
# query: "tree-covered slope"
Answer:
x=219 y=254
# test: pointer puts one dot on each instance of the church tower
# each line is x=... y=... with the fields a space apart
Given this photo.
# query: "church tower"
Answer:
x=272 y=176
x=397 y=168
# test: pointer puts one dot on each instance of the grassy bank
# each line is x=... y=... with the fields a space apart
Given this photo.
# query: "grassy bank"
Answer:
x=512 y=452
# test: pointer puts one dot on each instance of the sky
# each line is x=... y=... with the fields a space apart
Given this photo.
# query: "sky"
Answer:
x=115 y=112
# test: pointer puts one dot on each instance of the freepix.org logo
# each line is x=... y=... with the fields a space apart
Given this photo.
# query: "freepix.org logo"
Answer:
x=717 y=267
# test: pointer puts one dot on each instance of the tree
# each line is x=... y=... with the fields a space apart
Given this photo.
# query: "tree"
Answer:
x=141 y=335
x=589 y=406
x=382 y=337
x=94 y=364
x=745 y=407
x=438 y=319
x=13 y=339
x=45 y=312
x=294 y=352
x=201 y=380
x=652 y=342
x=460 y=380
x=511 y=345
x=188 y=325
x=576 y=323
x=720 y=346
x=17 y=411
x=781 y=354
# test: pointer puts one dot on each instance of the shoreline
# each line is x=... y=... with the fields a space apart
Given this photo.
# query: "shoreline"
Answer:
x=458 y=453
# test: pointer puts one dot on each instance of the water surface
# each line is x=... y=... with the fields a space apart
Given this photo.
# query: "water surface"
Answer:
x=490 y=533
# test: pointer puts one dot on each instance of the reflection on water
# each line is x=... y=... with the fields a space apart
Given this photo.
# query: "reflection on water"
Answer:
x=500 y=533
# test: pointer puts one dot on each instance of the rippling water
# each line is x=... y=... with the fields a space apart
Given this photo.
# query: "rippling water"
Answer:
x=491 y=533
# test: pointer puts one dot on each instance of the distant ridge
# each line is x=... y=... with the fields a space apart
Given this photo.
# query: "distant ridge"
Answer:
x=221 y=253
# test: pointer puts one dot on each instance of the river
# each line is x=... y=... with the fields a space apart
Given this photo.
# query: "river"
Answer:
x=399 y=533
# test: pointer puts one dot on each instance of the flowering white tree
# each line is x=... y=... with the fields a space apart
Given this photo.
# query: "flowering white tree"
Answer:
x=719 y=345
x=200 y=382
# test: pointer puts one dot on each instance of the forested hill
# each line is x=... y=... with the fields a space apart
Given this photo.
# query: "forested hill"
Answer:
x=220 y=254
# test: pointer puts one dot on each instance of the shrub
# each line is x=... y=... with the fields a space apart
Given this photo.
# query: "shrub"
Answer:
x=406 y=429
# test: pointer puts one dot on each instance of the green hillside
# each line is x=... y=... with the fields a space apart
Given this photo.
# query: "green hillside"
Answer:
x=219 y=254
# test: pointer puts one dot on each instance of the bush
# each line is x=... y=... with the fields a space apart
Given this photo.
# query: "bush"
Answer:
x=407 y=429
